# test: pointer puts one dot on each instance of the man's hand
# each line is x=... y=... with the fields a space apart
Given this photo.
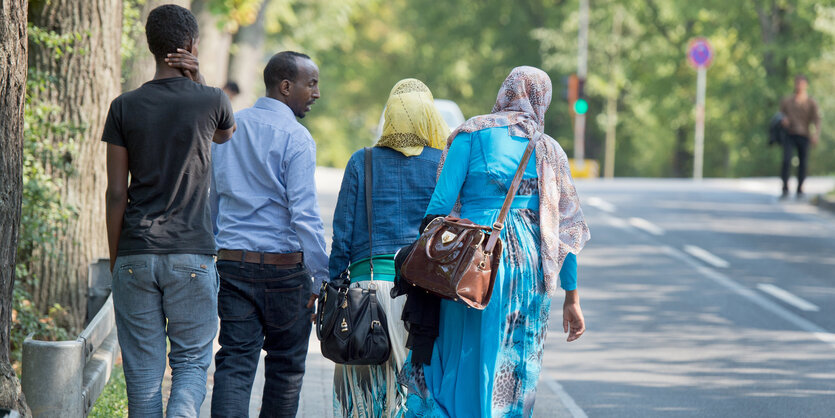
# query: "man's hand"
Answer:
x=815 y=138
x=310 y=303
x=572 y=320
x=784 y=122
x=187 y=63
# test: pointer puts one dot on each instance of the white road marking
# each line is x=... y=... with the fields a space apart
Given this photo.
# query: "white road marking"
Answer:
x=791 y=299
x=706 y=256
x=566 y=399
x=755 y=297
x=618 y=222
x=601 y=204
x=646 y=226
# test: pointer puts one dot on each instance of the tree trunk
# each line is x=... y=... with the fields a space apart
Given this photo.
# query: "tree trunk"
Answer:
x=613 y=93
x=142 y=64
x=86 y=80
x=214 y=42
x=12 y=95
x=681 y=157
x=246 y=63
x=772 y=26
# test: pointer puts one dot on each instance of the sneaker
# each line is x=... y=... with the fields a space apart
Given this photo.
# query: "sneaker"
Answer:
x=785 y=195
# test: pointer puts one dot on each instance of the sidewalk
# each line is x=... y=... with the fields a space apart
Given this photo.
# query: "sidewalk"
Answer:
x=316 y=400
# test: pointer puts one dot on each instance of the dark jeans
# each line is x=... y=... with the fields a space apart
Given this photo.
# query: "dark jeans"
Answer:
x=261 y=306
x=790 y=142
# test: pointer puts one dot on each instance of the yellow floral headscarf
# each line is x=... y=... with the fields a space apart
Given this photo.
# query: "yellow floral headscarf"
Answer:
x=411 y=119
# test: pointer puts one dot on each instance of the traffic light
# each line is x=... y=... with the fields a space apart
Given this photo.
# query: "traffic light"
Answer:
x=581 y=106
x=571 y=88
x=576 y=94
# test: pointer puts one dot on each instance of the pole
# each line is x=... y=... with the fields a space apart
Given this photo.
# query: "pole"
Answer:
x=699 y=147
x=612 y=101
x=582 y=70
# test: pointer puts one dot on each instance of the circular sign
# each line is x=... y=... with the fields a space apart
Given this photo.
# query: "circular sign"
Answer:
x=699 y=53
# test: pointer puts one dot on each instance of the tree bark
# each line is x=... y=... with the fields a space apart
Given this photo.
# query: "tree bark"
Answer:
x=86 y=80
x=142 y=64
x=246 y=63
x=214 y=42
x=12 y=96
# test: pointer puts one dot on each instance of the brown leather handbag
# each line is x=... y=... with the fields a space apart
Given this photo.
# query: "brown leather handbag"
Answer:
x=457 y=259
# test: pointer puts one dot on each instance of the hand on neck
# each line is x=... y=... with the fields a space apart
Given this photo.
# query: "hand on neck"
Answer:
x=165 y=71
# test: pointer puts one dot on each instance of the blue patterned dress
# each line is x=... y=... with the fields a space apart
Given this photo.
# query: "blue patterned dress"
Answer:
x=487 y=363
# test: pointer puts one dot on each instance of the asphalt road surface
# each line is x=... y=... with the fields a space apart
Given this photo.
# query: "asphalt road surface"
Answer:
x=701 y=299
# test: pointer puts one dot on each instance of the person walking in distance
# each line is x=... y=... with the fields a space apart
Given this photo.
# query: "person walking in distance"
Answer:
x=158 y=225
x=271 y=240
x=799 y=112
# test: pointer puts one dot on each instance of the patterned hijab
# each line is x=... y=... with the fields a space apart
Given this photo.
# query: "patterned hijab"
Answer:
x=521 y=105
x=411 y=119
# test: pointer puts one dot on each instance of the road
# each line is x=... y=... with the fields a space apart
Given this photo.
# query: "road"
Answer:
x=701 y=299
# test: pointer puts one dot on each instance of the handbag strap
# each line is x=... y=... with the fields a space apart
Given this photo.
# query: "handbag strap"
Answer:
x=369 y=181
x=511 y=193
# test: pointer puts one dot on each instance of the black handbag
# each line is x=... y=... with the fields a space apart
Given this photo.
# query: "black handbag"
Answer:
x=351 y=325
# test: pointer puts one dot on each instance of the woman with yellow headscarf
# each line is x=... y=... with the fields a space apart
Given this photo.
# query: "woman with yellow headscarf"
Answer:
x=404 y=164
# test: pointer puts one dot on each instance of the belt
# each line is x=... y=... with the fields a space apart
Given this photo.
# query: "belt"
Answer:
x=277 y=259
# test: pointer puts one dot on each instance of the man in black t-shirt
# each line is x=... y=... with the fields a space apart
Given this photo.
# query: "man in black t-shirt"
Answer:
x=161 y=243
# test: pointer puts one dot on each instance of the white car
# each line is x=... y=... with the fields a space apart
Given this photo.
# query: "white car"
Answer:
x=448 y=109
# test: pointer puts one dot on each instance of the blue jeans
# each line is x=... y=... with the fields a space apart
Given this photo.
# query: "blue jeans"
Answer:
x=158 y=296
x=261 y=306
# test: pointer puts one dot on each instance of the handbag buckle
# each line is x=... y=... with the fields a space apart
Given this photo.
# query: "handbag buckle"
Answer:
x=377 y=323
x=447 y=237
x=482 y=264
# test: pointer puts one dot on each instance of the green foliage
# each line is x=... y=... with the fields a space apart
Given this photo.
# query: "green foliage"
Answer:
x=235 y=13
x=43 y=214
x=464 y=49
x=45 y=163
x=60 y=44
x=113 y=401
x=132 y=28
x=27 y=320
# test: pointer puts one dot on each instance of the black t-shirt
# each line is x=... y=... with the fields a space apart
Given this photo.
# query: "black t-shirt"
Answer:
x=167 y=127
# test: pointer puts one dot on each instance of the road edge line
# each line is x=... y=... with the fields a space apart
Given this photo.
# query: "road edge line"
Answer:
x=706 y=256
x=566 y=399
x=788 y=297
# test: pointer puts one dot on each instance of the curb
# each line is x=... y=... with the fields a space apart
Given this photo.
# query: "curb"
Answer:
x=824 y=202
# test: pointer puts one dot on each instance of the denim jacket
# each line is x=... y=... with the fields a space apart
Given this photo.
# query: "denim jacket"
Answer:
x=401 y=189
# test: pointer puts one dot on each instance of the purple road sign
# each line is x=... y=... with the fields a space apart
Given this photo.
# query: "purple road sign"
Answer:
x=699 y=53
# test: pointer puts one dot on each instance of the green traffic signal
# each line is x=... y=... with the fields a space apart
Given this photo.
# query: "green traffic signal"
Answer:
x=581 y=106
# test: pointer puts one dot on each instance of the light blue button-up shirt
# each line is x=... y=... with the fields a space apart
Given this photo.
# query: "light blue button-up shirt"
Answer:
x=263 y=193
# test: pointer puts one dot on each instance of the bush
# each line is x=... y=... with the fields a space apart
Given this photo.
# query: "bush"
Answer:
x=113 y=401
x=26 y=320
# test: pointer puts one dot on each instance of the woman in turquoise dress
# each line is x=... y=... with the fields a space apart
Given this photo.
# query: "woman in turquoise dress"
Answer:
x=487 y=363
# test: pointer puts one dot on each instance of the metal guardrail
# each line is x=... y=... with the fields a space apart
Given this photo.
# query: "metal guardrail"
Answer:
x=64 y=378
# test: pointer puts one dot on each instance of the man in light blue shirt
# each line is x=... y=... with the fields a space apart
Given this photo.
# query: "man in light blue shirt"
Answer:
x=270 y=241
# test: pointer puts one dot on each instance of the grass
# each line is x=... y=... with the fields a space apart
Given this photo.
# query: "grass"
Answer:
x=113 y=401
